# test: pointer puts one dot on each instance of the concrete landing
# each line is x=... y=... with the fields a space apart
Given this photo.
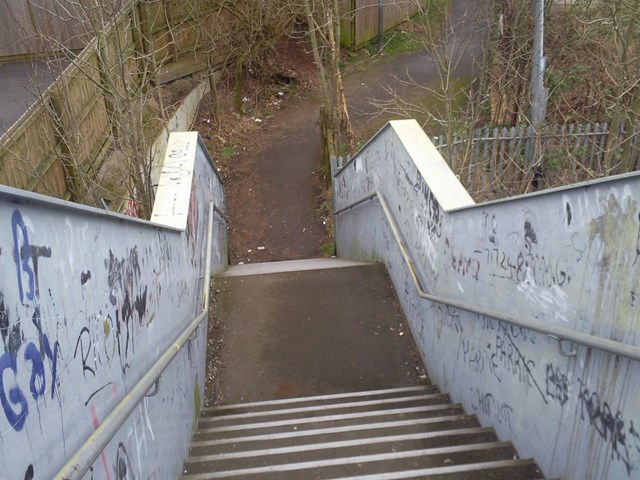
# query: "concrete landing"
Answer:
x=289 y=266
x=311 y=332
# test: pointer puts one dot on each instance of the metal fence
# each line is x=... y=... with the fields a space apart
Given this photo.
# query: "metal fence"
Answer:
x=500 y=162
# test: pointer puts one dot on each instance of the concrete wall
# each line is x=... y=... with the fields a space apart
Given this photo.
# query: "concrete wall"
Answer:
x=88 y=301
x=568 y=257
x=181 y=121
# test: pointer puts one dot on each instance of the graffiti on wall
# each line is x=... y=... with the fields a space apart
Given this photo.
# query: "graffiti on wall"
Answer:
x=569 y=258
x=33 y=365
x=85 y=305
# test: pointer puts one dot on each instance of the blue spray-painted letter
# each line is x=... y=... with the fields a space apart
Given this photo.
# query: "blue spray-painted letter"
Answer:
x=22 y=255
x=8 y=361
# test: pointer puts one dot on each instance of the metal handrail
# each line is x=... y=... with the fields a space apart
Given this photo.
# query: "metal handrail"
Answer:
x=91 y=449
x=356 y=203
x=558 y=333
x=221 y=214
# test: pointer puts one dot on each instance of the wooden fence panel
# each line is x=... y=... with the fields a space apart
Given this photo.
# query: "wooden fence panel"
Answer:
x=73 y=121
x=28 y=152
x=176 y=38
x=366 y=21
x=29 y=27
x=80 y=110
x=360 y=18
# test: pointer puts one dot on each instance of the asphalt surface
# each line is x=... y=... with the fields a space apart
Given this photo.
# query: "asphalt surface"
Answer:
x=411 y=75
x=21 y=83
x=312 y=332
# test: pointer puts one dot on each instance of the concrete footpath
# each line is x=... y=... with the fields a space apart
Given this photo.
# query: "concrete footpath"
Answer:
x=311 y=332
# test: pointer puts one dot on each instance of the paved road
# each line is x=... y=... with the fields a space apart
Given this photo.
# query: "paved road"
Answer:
x=408 y=74
x=20 y=85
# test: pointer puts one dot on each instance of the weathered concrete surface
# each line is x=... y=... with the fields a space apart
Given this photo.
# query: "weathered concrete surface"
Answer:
x=289 y=266
x=310 y=333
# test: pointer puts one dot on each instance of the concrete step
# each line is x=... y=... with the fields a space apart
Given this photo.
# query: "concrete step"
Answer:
x=370 y=464
x=290 y=266
x=206 y=431
x=310 y=452
x=384 y=434
x=335 y=399
x=296 y=437
x=313 y=411
x=303 y=394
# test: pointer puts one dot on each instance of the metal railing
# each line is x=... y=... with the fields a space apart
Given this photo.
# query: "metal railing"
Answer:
x=501 y=162
x=87 y=454
x=560 y=334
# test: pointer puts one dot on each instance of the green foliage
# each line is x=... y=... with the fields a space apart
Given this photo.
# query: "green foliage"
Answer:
x=560 y=80
x=328 y=249
x=228 y=152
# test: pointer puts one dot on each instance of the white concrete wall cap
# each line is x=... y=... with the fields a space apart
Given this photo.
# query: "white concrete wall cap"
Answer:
x=441 y=180
x=171 y=207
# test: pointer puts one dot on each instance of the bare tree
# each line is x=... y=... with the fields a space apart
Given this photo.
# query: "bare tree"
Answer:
x=624 y=73
x=101 y=108
x=323 y=21
x=595 y=72
x=453 y=104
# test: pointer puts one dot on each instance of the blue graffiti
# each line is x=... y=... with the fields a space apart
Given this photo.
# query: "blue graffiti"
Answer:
x=36 y=354
x=16 y=397
x=37 y=384
x=22 y=255
x=37 y=381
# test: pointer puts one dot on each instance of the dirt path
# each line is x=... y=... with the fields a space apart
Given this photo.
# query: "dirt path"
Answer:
x=273 y=204
x=274 y=191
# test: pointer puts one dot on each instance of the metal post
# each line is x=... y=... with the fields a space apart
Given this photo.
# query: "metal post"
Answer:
x=538 y=92
x=380 y=24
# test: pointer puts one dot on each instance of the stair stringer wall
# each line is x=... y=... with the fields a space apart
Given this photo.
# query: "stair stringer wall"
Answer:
x=568 y=257
x=87 y=311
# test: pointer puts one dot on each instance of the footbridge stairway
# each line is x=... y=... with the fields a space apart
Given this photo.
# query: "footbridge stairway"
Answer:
x=401 y=429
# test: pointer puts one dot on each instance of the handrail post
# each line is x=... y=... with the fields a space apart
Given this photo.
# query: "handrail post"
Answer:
x=207 y=262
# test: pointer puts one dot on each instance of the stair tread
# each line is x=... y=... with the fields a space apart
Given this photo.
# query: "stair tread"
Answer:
x=296 y=437
x=320 y=399
x=317 y=411
x=457 y=470
x=490 y=470
x=331 y=420
x=336 y=449
x=379 y=461
x=343 y=444
x=408 y=432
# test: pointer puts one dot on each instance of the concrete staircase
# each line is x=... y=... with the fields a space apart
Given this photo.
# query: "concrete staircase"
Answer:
x=295 y=333
x=411 y=432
